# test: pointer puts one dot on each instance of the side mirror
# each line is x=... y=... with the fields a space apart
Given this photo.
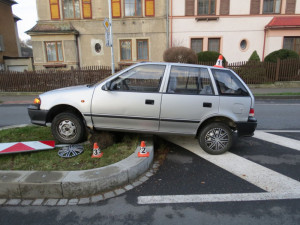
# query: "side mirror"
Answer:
x=106 y=86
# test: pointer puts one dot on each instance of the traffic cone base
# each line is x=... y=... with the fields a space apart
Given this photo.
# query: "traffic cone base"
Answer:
x=97 y=156
x=143 y=155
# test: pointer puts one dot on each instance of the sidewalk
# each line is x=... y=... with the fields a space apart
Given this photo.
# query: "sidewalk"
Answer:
x=19 y=98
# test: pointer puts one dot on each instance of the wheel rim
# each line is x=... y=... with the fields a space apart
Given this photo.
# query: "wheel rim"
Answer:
x=67 y=129
x=216 y=139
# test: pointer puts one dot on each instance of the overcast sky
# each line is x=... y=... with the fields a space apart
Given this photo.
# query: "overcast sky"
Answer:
x=26 y=11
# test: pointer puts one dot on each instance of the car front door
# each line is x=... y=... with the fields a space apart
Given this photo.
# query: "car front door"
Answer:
x=189 y=99
x=131 y=101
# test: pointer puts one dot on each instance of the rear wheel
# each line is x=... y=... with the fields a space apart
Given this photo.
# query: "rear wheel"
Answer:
x=68 y=128
x=215 y=138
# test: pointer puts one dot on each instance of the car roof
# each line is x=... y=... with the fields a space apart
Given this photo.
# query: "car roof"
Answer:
x=181 y=64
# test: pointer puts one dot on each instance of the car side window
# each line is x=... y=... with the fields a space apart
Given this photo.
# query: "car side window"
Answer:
x=145 y=78
x=228 y=83
x=189 y=80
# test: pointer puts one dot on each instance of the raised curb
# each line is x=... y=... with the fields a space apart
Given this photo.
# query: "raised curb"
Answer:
x=74 y=186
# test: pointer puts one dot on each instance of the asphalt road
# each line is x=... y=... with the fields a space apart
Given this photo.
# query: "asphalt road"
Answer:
x=198 y=182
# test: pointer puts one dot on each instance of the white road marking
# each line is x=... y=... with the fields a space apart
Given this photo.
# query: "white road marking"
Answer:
x=280 y=131
x=283 y=141
x=169 y=199
x=277 y=185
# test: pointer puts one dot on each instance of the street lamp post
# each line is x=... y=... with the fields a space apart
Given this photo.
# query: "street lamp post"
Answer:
x=111 y=38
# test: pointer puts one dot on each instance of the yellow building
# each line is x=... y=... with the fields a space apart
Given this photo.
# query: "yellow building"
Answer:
x=70 y=33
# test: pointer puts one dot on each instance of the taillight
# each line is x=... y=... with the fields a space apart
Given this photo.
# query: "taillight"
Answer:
x=251 y=113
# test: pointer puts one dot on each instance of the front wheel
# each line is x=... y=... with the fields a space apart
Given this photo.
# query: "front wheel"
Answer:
x=215 y=138
x=68 y=128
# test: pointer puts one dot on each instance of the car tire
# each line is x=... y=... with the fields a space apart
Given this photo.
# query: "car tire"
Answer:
x=216 y=138
x=68 y=128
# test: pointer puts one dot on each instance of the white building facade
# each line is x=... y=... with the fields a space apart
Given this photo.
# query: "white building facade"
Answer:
x=235 y=28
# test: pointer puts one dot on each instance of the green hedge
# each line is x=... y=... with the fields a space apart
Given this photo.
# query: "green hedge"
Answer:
x=281 y=54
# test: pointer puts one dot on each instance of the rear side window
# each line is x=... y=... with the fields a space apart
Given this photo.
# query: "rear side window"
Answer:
x=228 y=83
x=189 y=80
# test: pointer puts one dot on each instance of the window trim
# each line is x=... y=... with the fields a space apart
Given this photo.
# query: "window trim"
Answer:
x=137 y=54
x=135 y=9
x=153 y=8
x=91 y=11
x=56 y=51
x=74 y=18
x=209 y=9
x=57 y=3
x=125 y=60
x=274 y=4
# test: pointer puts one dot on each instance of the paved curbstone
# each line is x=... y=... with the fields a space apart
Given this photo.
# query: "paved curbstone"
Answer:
x=97 y=198
x=84 y=201
x=13 y=202
x=38 y=202
x=51 y=202
x=26 y=202
x=62 y=202
x=2 y=201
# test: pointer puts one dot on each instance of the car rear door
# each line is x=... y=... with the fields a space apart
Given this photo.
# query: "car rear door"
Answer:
x=189 y=99
x=132 y=102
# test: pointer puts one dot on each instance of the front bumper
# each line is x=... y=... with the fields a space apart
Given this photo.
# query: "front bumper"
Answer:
x=37 y=116
x=247 y=128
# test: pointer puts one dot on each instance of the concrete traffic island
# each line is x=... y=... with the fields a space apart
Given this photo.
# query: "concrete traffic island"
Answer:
x=17 y=186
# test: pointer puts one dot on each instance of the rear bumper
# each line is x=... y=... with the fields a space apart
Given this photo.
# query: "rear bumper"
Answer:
x=37 y=116
x=247 y=128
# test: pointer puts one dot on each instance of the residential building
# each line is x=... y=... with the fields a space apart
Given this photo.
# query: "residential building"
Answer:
x=9 y=42
x=70 y=33
x=235 y=28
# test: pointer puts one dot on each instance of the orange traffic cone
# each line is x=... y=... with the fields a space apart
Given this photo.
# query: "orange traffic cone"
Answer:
x=219 y=62
x=96 y=151
x=143 y=152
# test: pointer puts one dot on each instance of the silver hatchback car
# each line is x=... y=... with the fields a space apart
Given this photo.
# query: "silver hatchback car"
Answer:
x=207 y=102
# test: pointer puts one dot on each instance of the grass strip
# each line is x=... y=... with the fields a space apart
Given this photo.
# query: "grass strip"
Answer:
x=49 y=160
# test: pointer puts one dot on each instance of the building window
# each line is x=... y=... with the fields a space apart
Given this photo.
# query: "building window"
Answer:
x=87 y=9
x=214 y=44
x=292 y=43
x=197 y=44
x=116 y=8
x=206 y=7
x=71 y=9
x=133 y=7
x=125 y=46
x=54 y=9
x=149 y=7
x=272 y=6
x=54 y=51
x=243 y=45
x=142 y=50
x=1 y=44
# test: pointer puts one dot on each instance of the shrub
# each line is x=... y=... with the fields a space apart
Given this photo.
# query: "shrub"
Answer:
x=254 y=57
x=209 y=56
x=180 y=55
x=281 y=54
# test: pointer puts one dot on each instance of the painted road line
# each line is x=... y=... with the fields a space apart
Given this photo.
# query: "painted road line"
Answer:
x=280 y=131
x=279 y=140
x=169 y=199
x=252 y=172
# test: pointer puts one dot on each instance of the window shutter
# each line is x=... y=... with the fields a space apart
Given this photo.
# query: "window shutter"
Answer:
x=255 y=7
x=224 y=7
x=54 y=8
x=116 y=8
x=189 y=7
x=149 y=7
x=290 y=6
x=87 y=9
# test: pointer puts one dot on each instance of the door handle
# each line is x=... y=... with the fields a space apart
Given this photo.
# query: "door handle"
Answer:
x=149 y=102
x=207 y=104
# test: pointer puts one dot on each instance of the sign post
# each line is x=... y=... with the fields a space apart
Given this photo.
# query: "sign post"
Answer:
x=109 y=36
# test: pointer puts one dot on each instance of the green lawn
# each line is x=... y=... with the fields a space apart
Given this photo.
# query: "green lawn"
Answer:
x=49 y=160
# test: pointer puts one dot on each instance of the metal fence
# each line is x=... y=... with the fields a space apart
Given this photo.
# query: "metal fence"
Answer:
x=40 y=81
